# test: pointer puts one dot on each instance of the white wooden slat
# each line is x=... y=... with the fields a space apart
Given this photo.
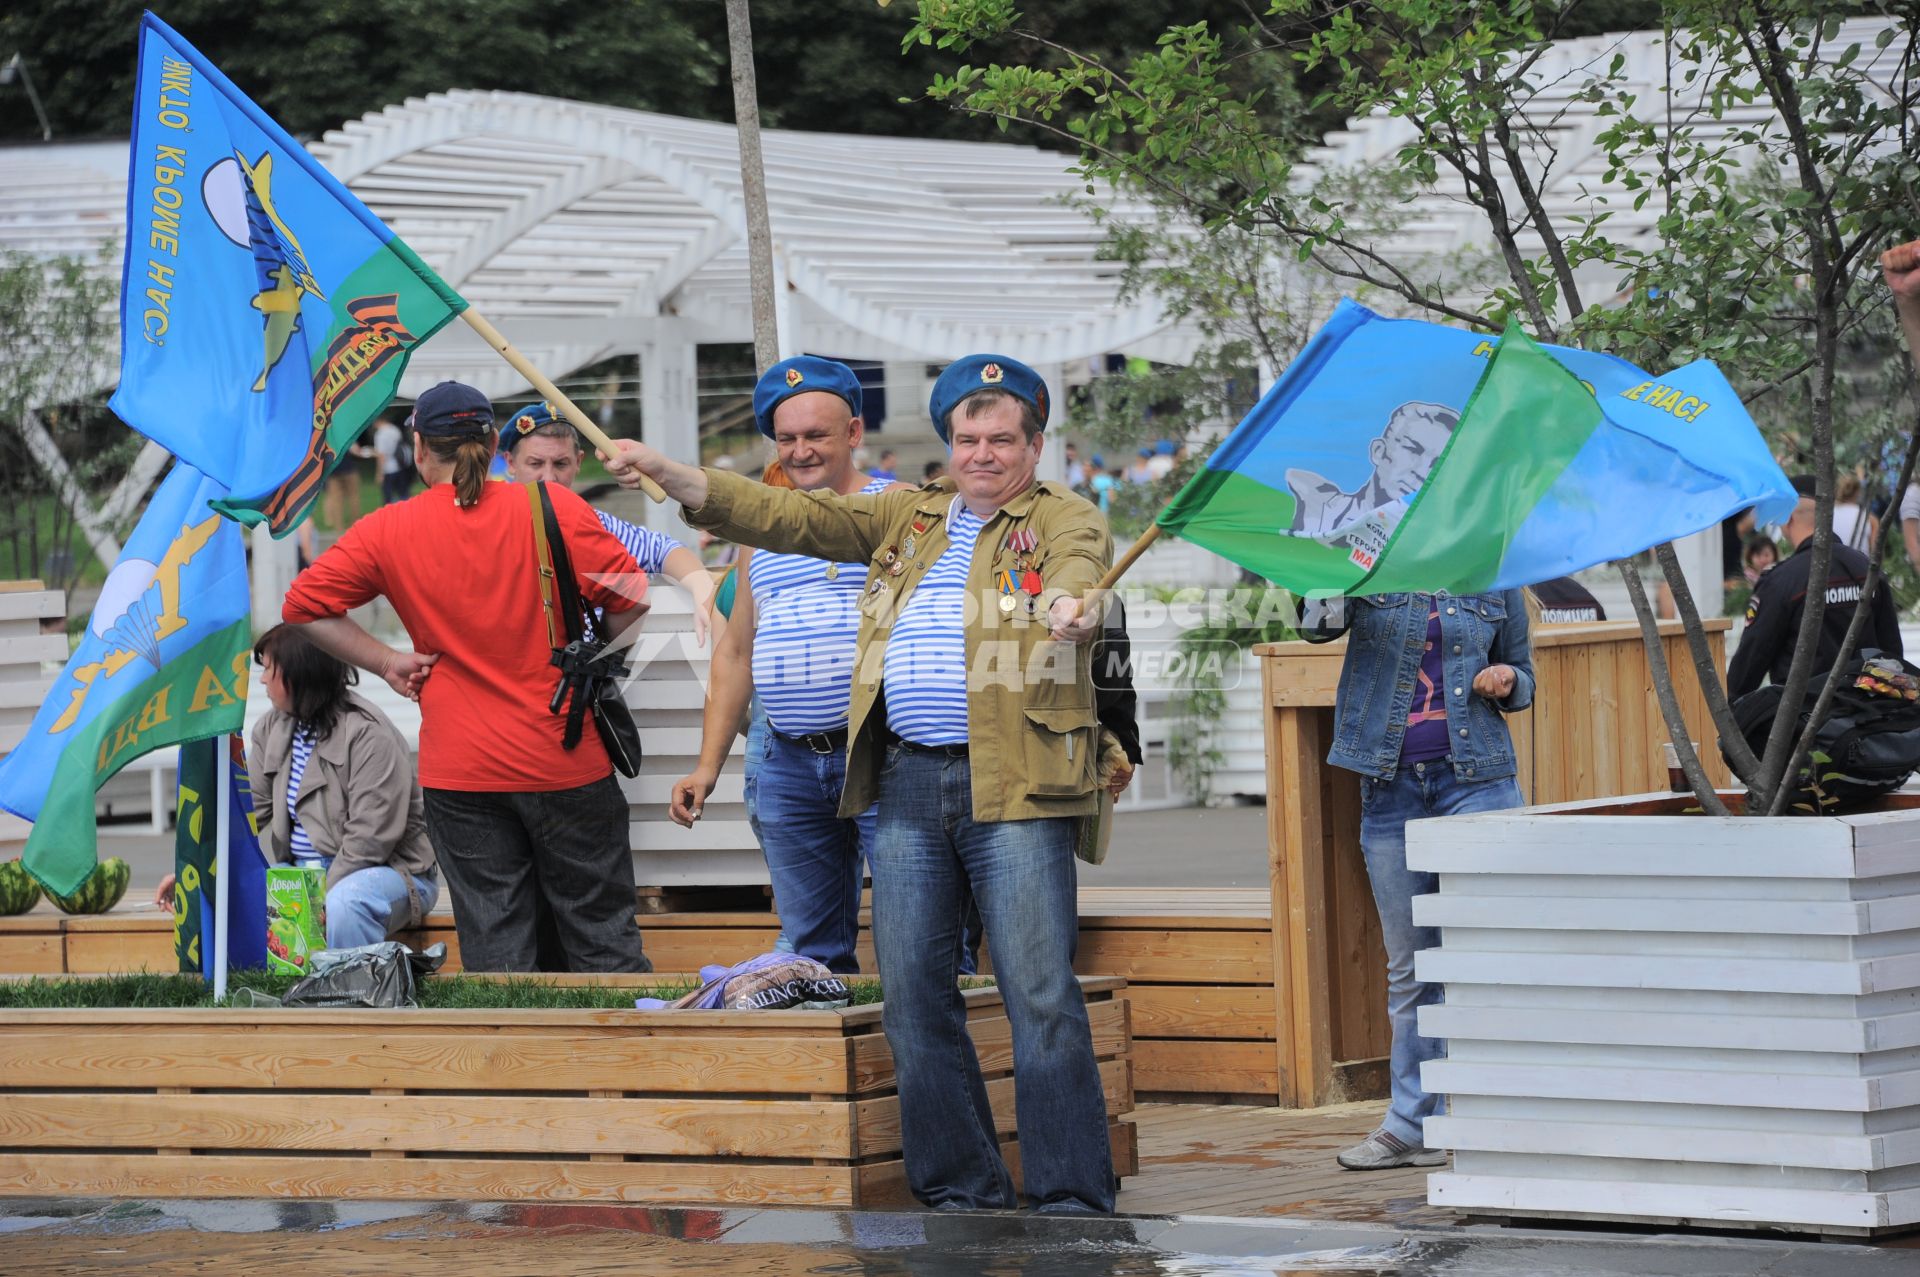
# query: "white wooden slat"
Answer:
x=731 y=868
x=32 y=649
x=1580 y=913
x=24 y=695
x=33 y=605
x=1694 y=1143
x=1636 y=1027
x=1663 y=1086
x=1743 y=1204
x=1655 y=971
x=657 y=790
x=706 y=835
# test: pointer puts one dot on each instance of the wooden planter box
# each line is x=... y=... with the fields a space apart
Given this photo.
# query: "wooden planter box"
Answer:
x=1201 y=986
x=1668 y=1019
x=759 y=1108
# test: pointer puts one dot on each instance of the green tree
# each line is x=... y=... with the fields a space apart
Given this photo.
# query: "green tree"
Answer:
x=1767 y=218
x=315 y=64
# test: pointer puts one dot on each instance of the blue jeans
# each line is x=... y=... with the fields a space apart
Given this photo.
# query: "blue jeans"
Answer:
x=813 y=855
x=369 y=905
x=929 y=855
x=1417 y=790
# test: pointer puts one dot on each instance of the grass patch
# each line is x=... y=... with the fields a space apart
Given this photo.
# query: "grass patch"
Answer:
x=436 y=993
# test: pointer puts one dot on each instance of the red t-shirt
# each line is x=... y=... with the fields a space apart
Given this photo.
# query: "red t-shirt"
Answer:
x=464 y=583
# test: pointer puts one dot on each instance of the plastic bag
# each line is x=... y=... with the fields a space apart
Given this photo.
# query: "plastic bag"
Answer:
x=770 y=982
x=371 y=975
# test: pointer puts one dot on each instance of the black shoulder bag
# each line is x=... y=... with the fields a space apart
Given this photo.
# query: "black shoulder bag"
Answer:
x=590 y=676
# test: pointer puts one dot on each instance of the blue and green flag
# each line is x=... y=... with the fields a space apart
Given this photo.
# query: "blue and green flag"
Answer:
x=266 y=313
x=195 y=838
x=163 y=660
x=1399 y=455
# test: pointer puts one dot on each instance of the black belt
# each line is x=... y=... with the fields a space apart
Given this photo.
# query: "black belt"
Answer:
x=914 y=746
x=819 y=742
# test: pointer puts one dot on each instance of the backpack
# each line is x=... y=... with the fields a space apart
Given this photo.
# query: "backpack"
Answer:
x=1870 y=743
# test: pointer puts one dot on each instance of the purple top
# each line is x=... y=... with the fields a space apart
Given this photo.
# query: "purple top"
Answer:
x=1426 y=737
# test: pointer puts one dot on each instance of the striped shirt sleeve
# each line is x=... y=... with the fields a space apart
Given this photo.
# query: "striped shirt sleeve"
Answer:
x=648 y=548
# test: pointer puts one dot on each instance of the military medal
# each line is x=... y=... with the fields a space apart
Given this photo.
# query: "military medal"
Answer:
x=906 y=546
x=1005 y=582
x=833 y=571
x=874 y=587
x=1022 y=541
x=1030 y=581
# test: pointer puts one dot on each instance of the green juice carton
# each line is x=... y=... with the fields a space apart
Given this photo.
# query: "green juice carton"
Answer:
x=296 y=916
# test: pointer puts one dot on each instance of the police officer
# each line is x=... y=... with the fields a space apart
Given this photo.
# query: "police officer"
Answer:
x=1773 y=612
x=791 y=638
x=972 y=721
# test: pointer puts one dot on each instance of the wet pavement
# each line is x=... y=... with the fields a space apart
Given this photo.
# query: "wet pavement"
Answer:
x=383 y=1239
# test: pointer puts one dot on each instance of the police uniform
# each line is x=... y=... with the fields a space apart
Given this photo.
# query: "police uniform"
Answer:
x=1773 y=618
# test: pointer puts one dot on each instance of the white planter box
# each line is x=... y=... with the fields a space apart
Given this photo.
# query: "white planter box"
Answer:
x=1676 y=1019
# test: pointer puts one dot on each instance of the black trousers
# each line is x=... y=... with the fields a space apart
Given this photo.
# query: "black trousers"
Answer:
x=505 y=853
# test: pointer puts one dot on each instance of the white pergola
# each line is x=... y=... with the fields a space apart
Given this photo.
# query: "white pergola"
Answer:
x=1559 y=128
x=585 y=232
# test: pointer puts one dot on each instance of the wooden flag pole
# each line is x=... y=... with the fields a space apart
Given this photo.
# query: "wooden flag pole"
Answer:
x=551 y=393
x=1096 y=598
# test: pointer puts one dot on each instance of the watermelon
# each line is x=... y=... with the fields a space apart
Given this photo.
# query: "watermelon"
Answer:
x=18 y=891
x=100 y=892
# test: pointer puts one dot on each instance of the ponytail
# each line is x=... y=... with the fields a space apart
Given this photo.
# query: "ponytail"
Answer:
x=471 y=457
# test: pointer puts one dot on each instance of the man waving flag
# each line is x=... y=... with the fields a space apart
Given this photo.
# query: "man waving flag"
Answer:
x=266 y=314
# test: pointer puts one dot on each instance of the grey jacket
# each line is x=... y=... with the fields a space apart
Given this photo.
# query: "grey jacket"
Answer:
x=360 y=799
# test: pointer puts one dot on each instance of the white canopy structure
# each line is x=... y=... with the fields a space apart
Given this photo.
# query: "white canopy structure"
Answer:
x=585 y=232
x=1559 y=130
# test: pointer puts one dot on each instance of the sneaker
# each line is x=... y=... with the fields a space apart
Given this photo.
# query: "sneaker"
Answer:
x=1381 y=1152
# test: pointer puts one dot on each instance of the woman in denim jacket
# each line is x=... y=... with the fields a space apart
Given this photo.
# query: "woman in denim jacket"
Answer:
x=1418 y=714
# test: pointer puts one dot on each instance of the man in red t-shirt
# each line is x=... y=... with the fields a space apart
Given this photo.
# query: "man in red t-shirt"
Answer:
x=511 y=812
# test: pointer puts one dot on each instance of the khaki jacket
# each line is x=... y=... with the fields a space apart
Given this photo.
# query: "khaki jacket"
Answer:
x=1030 y=713
x=360 y=798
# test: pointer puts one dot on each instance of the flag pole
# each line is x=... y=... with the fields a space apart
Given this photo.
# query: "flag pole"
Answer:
x=1096 y=598
x=551 y=393
x=223 y=839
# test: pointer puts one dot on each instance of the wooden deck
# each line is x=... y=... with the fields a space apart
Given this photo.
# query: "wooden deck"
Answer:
x=1253 y=1160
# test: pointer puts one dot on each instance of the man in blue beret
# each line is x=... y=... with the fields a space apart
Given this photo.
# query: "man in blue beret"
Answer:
x=791 y=639
x=972 y=720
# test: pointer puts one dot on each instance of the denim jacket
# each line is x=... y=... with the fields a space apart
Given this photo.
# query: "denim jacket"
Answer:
x=1387 y=637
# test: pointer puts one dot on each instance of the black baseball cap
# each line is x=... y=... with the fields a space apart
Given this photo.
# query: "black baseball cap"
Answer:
x=452 y=408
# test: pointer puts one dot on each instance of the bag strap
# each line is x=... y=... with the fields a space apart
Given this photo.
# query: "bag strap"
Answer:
x=557 y=586
x=572 y=610
x=544 y=565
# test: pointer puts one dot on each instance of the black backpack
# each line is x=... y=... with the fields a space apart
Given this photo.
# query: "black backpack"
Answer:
x=1869 y=745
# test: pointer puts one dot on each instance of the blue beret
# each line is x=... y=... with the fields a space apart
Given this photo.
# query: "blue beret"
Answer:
x=526 y=421
x=798 y=376
x=975 y=373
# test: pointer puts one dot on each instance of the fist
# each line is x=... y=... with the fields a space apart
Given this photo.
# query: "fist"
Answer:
x=1494 y=682
x=631 y=461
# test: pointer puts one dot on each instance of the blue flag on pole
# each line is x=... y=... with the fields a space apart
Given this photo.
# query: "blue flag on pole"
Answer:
x=266 y=314
x=196 y=835
x=163 y=660
x=1400 y=455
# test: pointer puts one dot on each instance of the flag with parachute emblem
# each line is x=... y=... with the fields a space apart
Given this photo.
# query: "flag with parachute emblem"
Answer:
x=163 y=660
x=266 y=313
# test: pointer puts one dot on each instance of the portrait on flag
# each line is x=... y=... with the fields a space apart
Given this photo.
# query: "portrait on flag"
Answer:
x=266 y=314
x=1400 y=455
